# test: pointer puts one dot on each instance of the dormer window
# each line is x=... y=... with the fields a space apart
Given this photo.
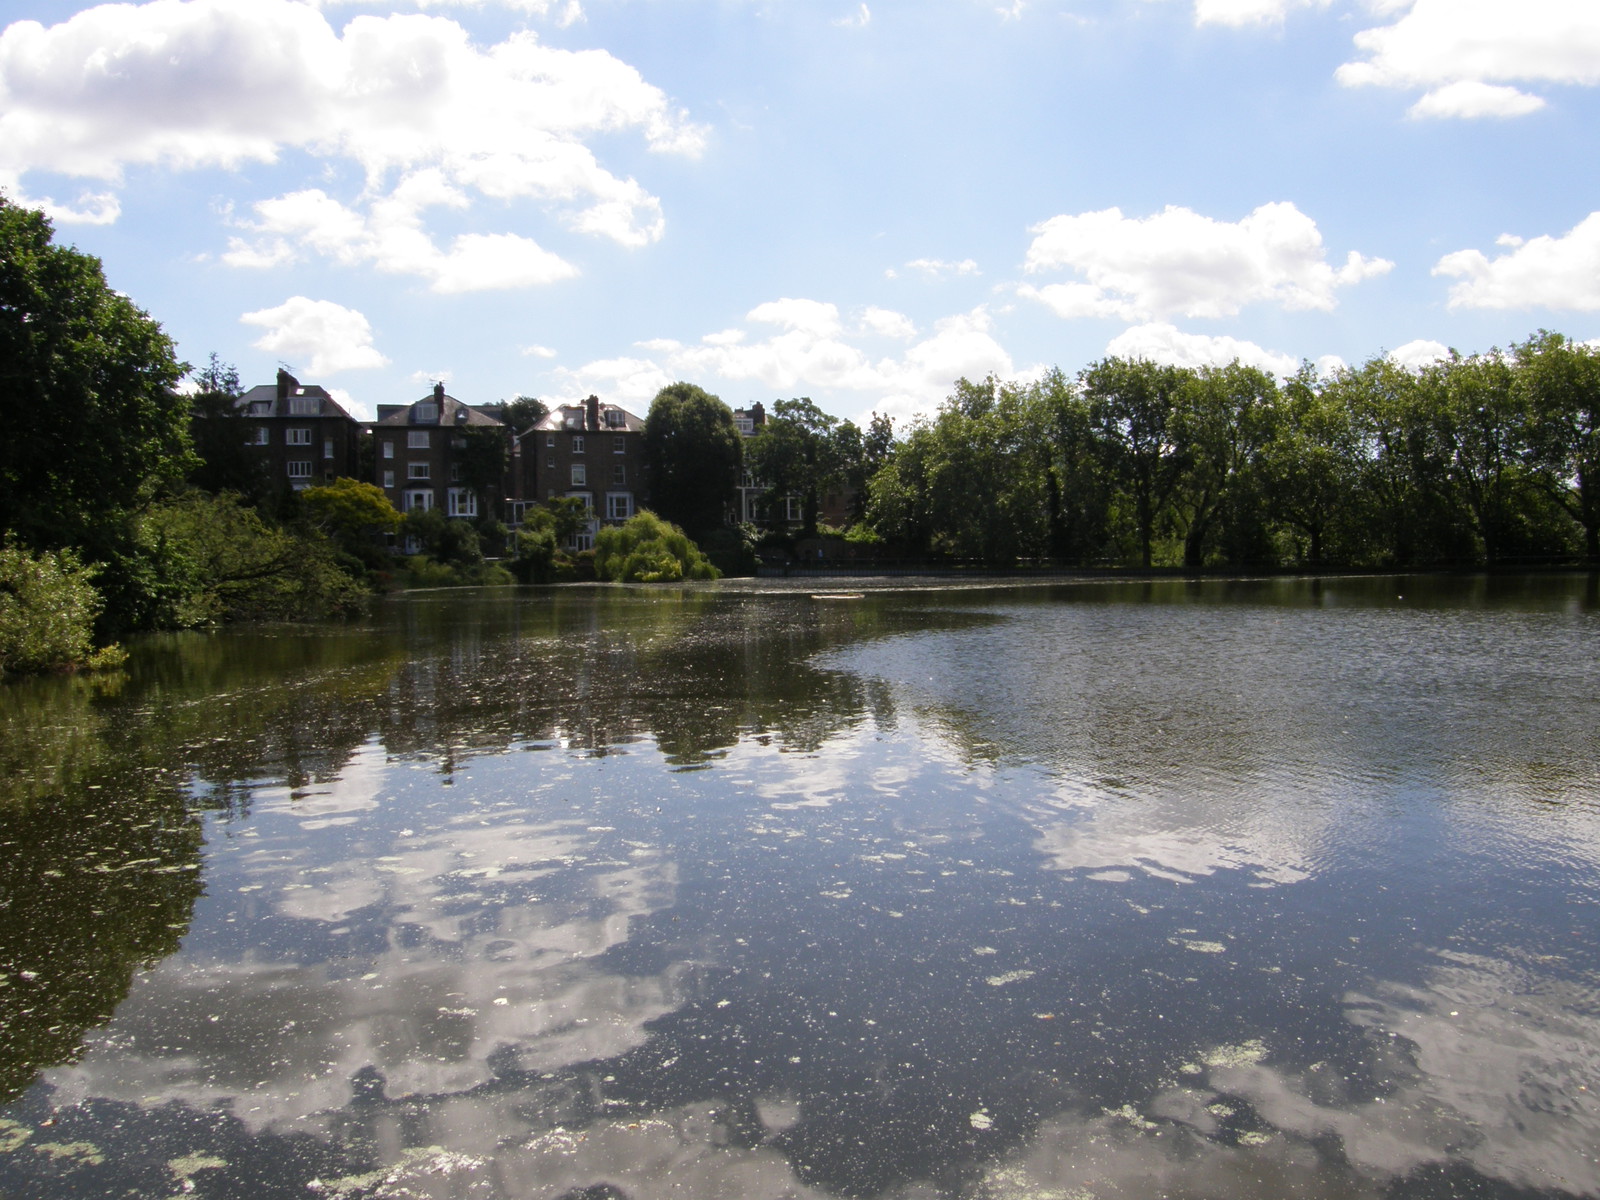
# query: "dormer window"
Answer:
x=261 y=408
x=304 y=406
x=425 y=413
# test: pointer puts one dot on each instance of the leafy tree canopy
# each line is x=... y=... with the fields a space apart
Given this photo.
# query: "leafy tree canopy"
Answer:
x=693 y=455
x=802 y=451
x=523 y=413
x=647 y=549
x=93 y=429
x=350 y=511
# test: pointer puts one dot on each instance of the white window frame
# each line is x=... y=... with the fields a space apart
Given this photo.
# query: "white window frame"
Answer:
x=327 y=447
x=425 y=412
x=299 y=468
x=419 y=470
x=297 y=435
x=619 y=506
x=577 y=443
x=263 y=437
x=305 y=406
x=388 y=479
x=580 y=475
x=388 y=449
x=619 y=445
x=417 y=439
x=461 y=502
x=418 y=498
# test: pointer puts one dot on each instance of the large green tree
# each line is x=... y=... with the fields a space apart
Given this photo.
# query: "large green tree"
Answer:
x=1311 y=466
x=803 y=451
x=693 y=455
x=970 y=482
x=93 y=428
x=1131 y=416
x=1559 y=381
x=222 y=436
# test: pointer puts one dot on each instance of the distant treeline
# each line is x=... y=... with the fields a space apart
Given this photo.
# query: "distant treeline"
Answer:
x=1483 y=460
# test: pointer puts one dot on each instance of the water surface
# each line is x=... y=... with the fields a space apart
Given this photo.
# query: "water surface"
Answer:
x=1224 y=889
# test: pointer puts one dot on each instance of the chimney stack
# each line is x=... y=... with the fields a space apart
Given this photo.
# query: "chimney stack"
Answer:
x=594 y=413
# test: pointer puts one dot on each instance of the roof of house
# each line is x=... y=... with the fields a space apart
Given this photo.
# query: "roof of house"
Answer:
x=266 y=393
x=451 y=413
x=612 y=418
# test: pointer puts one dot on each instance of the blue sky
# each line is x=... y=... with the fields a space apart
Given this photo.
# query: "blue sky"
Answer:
x=857 y=202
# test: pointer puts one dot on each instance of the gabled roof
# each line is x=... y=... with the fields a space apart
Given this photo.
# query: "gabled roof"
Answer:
x=451 y=413
x=266 y=393
x=576 y=418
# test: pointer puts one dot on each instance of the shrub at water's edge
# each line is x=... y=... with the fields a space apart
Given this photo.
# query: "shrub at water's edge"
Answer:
x=647 y=549
x=48 y=608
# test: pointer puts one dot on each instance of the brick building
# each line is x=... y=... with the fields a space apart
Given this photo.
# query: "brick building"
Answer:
x=301 y=432
x=438 y=452
x=591 y=451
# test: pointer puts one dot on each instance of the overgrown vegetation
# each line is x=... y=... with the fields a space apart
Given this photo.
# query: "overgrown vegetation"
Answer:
x=1483 y=460
x=646 y=549
x=48 y=606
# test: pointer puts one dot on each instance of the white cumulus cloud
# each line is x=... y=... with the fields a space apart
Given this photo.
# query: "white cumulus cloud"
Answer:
x=217 y=83
x=811 y=353
x=1165 y=344
x=859 y=19
x=561 y=12
x=390 y=236
x=318 y=336
x=1248 y=12
x=1422 y=352
x=1440 y=45
x=1180 y=262
x=1544 y=272
x=1469 y=99
x=937 y=268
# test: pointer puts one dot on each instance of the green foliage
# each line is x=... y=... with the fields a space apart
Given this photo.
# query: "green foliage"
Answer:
x=647 y=549
x=523 y=413
x=534 y=554
x=1558 y=383
x=444 y=539
x=215 y=559
x=1489 y=459
x=484 y=455
x=48 y=606
x=352 y=513
x=969 y=483
x=539 y=547
x=93 y=429
x=221 y=434
x=732 y=549
x=802 y=451
x=693 y=456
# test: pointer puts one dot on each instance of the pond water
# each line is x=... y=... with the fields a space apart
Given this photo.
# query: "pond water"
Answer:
x=1251 y=889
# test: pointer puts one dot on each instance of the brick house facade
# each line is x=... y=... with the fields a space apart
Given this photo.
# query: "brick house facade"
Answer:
x=591 y=451
x=301 y=433
x=431 y=454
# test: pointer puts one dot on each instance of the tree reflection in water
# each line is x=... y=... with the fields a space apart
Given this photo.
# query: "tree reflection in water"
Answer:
x=1210 y=890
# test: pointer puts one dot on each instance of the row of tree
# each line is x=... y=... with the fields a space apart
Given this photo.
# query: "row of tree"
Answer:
x=1487 y=459
x=1476 y=460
